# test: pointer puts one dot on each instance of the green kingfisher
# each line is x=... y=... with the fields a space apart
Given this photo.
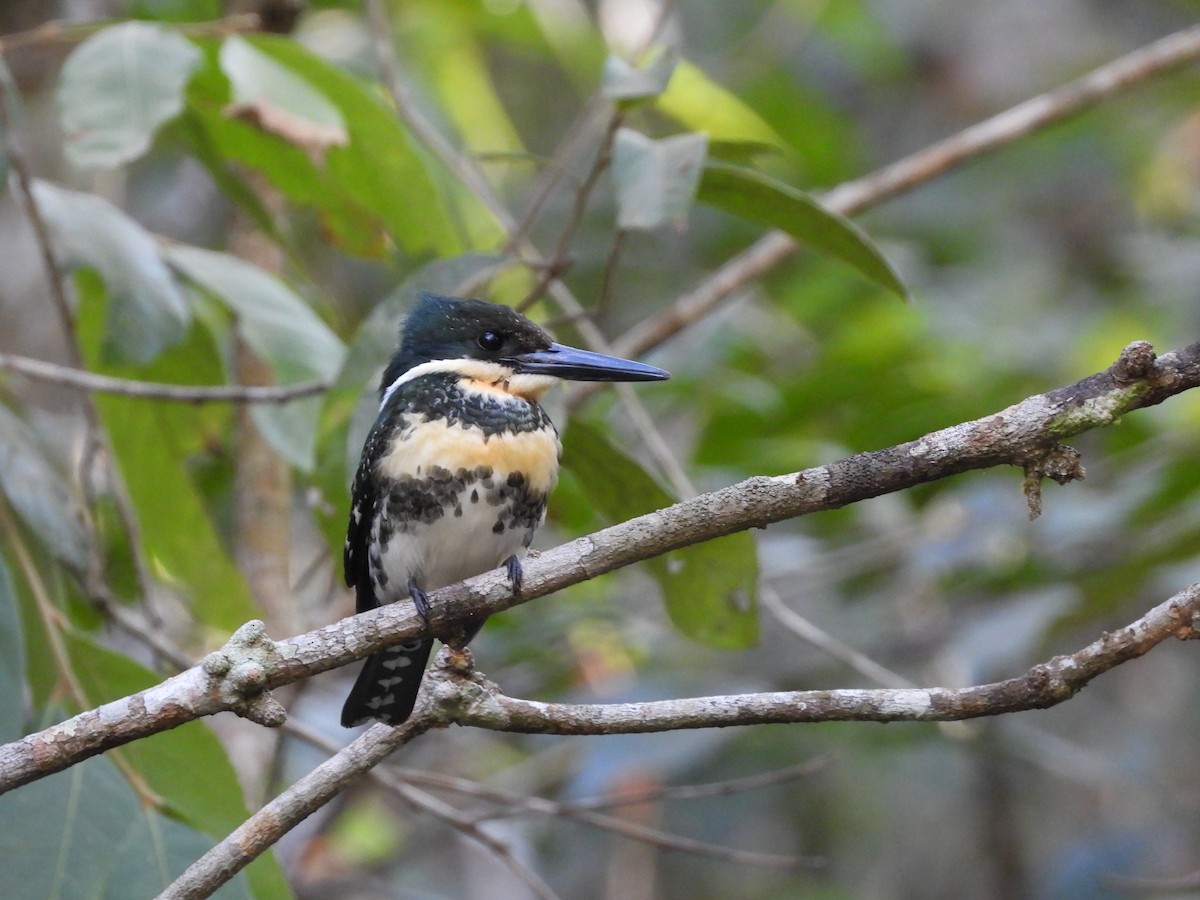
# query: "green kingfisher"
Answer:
x=456 y=471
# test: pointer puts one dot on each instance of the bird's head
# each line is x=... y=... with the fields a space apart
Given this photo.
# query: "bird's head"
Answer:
x=489 y=342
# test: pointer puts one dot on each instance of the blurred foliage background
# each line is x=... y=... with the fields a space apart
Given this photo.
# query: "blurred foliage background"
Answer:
x=242 y=207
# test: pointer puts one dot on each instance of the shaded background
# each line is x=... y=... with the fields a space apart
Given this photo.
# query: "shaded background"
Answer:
x=1028 y=270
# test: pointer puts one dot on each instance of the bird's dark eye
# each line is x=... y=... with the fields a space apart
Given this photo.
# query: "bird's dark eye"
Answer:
x=491 y=341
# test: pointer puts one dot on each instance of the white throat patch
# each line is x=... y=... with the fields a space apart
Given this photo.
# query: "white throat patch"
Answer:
x=477 y=375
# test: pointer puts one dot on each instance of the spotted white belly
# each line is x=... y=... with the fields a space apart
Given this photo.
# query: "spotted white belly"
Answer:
x=447 y=550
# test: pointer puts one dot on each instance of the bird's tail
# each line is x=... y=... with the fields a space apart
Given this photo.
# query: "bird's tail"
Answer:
x=388 y=684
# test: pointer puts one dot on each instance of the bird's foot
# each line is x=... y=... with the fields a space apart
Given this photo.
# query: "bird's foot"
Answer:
x=420 y=600
x=516 y=574
x=459 y=660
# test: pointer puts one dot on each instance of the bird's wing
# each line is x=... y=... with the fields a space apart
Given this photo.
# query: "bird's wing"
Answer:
x=364 y=504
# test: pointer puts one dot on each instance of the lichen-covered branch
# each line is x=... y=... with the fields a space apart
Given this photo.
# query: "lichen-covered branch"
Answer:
x=1046 y=684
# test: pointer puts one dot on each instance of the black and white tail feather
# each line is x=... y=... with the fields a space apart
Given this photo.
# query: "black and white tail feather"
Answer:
x=388 y=685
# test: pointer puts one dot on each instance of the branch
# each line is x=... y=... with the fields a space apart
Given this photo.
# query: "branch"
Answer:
x=1043 y=686
x=853 y=197
x=53 y=373
x=63 y=32
x=234 y=678
x=405 y=788
x=306 y=796
x=626 y=797
x=263 y=829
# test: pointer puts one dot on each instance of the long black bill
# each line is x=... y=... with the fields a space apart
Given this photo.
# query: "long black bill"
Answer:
x=583 y=365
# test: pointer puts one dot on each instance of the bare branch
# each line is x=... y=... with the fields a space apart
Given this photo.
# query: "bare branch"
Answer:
x=302 y=799
x=585 y=813
x=826 y=642
x=1043 y=686
x=235 y=677
x=421 y=800
x=63 y=32
x=517 y=804
x=852 y=197
x=52 y=373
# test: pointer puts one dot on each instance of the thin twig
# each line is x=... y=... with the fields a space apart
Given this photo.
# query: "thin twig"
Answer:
x=595 y=106
x=583 y=193
x=827 y=643
x=610 y=273
x=860 y=194
x=64 y=32
x=53 y=373
x=521 y=805
x=424 y=802
x=402 y=783
x=658 y=794
x=470 y=829
x=1145 y=886
x=555 y=171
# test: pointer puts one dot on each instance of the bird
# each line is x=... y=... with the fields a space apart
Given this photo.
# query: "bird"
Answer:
x=455 y=472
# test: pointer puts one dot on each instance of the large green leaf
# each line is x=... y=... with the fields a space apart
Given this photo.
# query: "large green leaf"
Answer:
x=656 y=180
x=370 y=189
x=157 y=445
x=186 y=767
x=380 y=168
x=282 y=329
x=177 y=534
x=700 y=104
x=12 y=660
x=762 y=199
x=710 y=589
x=281 y=101
x=84 y=833
x=118 y=87
x=38 y=492
x=146 y=311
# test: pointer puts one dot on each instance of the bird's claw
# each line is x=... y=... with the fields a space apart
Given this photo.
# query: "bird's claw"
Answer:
x=516 y=574
x=420 y=600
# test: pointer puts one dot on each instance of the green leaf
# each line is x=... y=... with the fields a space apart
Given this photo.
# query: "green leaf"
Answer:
x=12 y=661
x=622 y=81
x=710 y=589
x=38 y=492
x=185 y=766
x=177 y=534
x=118 y=87
x=279 y=101
x=762 y=199
x=146 y=312
x=656 y=180
x=281 y=329
x=380 y=168
x=373 y=188
x=85 y=833
x=157 y=445
x=698 y=103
